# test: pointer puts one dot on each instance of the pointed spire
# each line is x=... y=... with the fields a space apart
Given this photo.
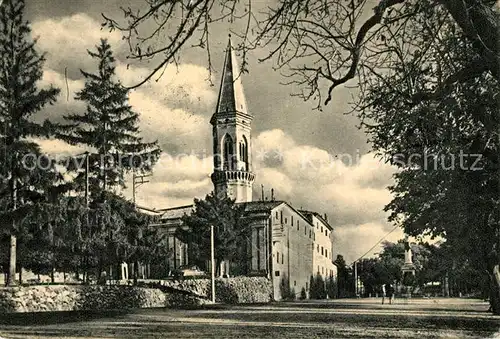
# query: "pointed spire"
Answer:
x=231 y=96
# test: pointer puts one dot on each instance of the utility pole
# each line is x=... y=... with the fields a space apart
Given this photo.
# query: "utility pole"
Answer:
x=212 y=258
x=356 y=278
x=138 y=180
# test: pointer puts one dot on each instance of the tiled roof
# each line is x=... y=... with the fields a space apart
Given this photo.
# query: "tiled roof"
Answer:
x=261 y=206
x=176 y=212
x=308 y=215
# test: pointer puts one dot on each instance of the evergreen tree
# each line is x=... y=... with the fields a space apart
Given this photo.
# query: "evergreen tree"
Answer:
x=108 y=127
x=230 y=231
x=303 y=294
x=331 y=287
x=320 y=287
x=312 y=288
x=20 y=99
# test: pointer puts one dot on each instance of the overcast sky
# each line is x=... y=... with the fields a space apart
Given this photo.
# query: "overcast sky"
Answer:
x=294 y=147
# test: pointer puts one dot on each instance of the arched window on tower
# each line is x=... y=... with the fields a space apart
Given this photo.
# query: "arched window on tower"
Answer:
x=244 y=153
x=228 y=152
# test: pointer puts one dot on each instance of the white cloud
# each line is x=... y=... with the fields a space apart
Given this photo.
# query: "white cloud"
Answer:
x=58 y=148
x=67 y=39
x=185 y=84
x=176 y=181
x=173 y=110
x=353 y=193
x=353 y=241
x=170 y=126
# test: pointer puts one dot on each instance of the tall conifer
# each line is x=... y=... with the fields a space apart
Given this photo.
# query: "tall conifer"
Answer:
x=108 y=127
x=20 y=99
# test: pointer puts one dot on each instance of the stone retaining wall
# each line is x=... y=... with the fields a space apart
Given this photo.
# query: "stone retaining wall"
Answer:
x=186 y=293
x=78 y=298
x=238 y=290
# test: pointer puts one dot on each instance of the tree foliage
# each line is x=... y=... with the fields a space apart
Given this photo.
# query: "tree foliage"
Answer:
x=231 y=231
x=22 y=178
x=443 y=136
x=108 y=127
x=345 y=278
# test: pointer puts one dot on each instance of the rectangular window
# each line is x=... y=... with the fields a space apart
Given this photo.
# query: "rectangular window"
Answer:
x=317 y=248
x=277 y=273
x=322 y=252
x=286 y=220
x=277 y=215
x=322 y=270
x=282 y=258
x=278 y=257
x=294 y=283
x=291 y=220
x=305 y=230
x=309 y=233
x=318 y=269
x=321 y=229
x=326 y=253
x=281 y=216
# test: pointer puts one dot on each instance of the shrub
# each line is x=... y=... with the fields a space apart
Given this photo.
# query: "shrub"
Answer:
x=287 y=293
x=303 y=294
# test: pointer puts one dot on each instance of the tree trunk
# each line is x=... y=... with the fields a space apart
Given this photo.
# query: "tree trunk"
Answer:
x=495 y=290
x=11 y=279
x=136 y=271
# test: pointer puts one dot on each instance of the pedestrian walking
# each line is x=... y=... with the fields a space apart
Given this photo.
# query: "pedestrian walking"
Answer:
x=390 y=293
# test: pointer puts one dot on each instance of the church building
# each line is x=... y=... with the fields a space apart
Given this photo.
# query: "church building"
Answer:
x=286 y=243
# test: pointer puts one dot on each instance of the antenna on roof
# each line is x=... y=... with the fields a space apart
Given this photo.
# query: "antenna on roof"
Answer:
x=262 y=186
x=272 y=194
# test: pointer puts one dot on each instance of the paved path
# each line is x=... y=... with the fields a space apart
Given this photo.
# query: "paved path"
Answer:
x=349 y=318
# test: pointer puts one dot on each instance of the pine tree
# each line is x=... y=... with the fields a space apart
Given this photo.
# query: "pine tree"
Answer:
x=20 y=99
x=108 y=127
x=230 y=231
x=313 y=293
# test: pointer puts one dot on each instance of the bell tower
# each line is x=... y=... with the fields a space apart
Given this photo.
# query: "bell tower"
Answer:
x=231 y=129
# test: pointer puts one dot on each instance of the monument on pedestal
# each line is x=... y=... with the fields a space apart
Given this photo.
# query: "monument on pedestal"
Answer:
x=408 y=270
x=408 y=266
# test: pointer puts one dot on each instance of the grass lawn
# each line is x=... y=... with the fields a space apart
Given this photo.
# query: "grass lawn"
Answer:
x=364 y=318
